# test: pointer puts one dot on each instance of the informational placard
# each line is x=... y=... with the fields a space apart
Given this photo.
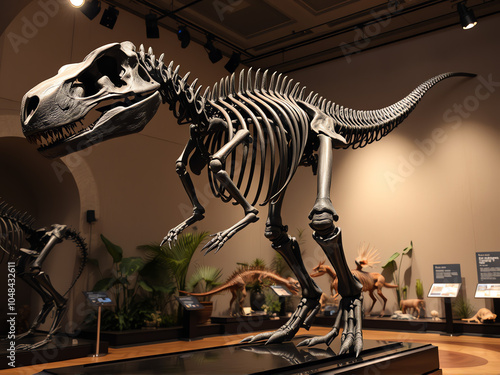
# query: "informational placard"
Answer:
x=190 y=303
x=281 y=290
x=99 y=298
x=487 y=291
x=444 y=290
x=488 y=267
x=447 y=274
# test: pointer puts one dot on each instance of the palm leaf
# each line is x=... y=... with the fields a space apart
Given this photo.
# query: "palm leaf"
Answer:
x=210 y=275
x=115 y=251
x=177 y=257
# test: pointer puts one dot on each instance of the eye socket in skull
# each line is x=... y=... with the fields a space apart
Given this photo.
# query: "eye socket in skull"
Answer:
x=107 y=95
x=113 y=65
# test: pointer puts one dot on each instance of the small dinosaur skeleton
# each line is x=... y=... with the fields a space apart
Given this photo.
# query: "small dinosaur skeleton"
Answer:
x=15 y=228
x=251 y=136
x=242 y=277
x=371 y=281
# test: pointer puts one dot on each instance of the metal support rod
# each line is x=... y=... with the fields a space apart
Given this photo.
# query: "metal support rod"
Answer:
x=98 y=341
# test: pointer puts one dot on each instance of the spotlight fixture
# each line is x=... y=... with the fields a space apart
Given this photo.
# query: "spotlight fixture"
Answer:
x=233 y=62
x=184 y=36
x=77 y=3
x=152 y=30
x=467 y=18
x=214 y=54
x=109 y=17
x=91 y=8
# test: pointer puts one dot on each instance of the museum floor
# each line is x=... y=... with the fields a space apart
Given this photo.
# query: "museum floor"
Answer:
x=457 y=354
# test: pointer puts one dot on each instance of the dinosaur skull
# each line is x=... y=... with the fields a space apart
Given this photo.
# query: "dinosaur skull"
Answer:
x=109 y=94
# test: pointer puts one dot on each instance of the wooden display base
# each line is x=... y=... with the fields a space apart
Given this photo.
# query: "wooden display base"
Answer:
x=60 y=349
x=285 y=358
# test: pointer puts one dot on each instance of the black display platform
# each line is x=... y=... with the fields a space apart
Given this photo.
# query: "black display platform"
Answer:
x=60 y=349
x=421 y=325
x=376 y=357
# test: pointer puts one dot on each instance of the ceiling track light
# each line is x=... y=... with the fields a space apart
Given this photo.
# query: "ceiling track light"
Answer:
x=77 y=3
x=152 y=30
x=109 y=17
x=183 y=36
x=233 y=62
x=214 y=54
x=467 y=17
x=91 y=8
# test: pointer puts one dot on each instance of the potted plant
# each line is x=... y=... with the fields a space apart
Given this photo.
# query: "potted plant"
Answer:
x=257 y=297
x=204 y=279
x=391 y=264
x=128 y=290
x=175 y=259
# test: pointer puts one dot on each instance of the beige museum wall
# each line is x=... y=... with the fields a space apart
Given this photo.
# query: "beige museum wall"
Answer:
x=444 y=199
x=434 y=180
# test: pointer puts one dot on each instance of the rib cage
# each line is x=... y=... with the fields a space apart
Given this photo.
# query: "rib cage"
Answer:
x=278 y=118
x=278 y=127
x=14 y=227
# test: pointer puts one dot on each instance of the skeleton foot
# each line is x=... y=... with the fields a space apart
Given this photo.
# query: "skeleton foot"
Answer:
x=25 y=334
x=36 y=345
x=302 y=317
x=352 y=338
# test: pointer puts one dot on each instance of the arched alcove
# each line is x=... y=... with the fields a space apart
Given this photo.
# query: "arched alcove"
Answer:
x=52 y=191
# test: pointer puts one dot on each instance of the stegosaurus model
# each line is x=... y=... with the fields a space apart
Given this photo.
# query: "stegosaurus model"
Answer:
x=237 y=282
x=251 y=136
x=15 y=228
x=371 y=281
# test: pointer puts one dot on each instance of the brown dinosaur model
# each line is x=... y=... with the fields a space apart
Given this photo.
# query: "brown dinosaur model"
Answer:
x=242 y=277
x=481 y=315
x=413 y=304
x=371 y=281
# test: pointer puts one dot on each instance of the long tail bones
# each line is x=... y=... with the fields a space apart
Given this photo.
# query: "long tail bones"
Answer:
x=250 y=132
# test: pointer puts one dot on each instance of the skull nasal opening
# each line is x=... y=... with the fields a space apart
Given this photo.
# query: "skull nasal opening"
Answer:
x=30 y=107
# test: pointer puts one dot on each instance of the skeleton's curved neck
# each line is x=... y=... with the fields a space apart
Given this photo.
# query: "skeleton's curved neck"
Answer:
x=184 y=100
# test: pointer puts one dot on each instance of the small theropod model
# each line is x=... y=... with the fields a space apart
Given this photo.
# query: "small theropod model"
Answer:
x=251 y=136
x=371 y=281
x=15 y=227
x=482 y=315
x=241 y=278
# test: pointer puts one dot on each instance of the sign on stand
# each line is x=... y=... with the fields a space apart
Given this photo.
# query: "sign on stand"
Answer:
x=488 y=274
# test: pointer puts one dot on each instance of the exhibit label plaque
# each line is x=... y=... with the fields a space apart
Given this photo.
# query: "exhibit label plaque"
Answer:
x=98 y=298
x=447 y=274
x=447 y=280
x=190 y=303
x=281 y=291
x=488 y=274
x=444 y=290
x=488 y=267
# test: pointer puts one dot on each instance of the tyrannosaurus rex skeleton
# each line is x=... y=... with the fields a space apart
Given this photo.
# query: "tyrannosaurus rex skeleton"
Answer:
x=15 y=227
x=253 y=134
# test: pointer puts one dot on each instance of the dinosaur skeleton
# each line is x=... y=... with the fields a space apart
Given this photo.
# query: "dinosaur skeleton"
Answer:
x=241 y=277
x=252 y=136
x=15 y=228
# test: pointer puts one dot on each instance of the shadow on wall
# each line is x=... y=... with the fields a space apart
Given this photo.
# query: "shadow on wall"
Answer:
x=29 y=183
